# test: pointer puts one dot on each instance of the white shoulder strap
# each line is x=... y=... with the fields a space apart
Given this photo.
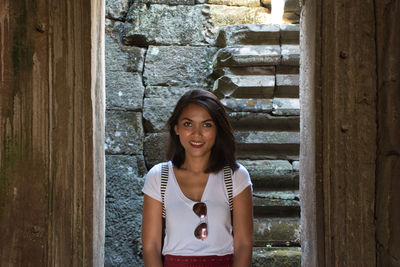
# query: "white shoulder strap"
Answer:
x=228 y=185
x=163 y=187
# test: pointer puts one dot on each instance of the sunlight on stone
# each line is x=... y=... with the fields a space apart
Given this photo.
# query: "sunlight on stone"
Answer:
x=277 y=11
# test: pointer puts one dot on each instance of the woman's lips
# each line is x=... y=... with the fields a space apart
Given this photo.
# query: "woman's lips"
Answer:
x=196 y=144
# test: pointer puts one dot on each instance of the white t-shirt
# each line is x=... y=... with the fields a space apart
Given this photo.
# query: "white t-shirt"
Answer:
x=181 y=221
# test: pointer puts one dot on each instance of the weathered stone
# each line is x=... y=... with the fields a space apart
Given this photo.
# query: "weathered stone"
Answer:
x=253 y=34
x=286 y=107
x=166 y=92
x=165 y=2
x=122 y=58
x=124 y=133
x=113 y=28
x=248 y=56
x=288 y=199
x=290 y=54
x=164 y=25
x=290 y=33
x=276 y=231
x=222 y=15
x=276 y=257
x=270 y=137
x=155 y=146
x=253 y=86
x=263 y=121
x=123 y=210
x=248 y=3
x=271 y=173
x=287 y=69
x=287 y=85
x=249 y=70
x=251 y=105
x=292 y=17
x=124 y=90
x=267 y=145
x=116 y=9
x=296 y=166
x=182 y=66
x=156 y=113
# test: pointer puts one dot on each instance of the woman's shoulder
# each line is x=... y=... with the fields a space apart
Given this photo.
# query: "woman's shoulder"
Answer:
x=241 y=171
x=156 y=169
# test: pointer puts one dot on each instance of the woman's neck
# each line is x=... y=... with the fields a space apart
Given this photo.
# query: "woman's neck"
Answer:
x=196 y=165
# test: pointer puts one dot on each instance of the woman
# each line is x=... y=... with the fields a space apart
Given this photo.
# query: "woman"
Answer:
x=198 y=219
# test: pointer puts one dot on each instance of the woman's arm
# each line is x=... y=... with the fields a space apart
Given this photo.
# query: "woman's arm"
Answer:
x=151 y=232
x=243 y=228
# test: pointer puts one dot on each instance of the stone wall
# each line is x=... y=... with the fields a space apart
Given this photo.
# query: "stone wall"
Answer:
x=155 y=51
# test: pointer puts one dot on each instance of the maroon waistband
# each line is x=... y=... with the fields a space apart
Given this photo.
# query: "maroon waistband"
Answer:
x=198 y=261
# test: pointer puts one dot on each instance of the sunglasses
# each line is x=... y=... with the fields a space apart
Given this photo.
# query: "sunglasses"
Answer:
x=201 y=231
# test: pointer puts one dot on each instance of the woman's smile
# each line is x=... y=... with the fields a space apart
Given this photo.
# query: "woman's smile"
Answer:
x=196 y=130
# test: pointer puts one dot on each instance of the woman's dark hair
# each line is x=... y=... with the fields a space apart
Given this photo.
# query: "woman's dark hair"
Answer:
x=223 y=151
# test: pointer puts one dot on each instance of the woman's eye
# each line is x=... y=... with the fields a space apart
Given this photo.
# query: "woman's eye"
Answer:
x=187 y=124
x=207 y=124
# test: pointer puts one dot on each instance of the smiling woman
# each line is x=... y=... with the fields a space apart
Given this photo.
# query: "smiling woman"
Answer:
x=192 y=193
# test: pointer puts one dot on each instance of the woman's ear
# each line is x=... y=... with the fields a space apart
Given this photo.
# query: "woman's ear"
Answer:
x=176 y=129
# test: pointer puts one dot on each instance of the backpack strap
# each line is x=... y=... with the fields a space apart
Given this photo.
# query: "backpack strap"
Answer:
x=228 y=185
x=163 y=187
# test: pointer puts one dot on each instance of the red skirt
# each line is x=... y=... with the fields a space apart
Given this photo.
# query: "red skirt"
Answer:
x=198 y=261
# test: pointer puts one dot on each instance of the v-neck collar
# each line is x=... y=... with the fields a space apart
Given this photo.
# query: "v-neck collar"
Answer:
x=189 y=201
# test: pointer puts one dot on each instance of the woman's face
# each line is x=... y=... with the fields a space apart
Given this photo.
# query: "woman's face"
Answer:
x=197 y=131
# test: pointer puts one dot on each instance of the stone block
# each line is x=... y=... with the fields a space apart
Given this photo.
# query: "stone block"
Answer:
x=124 y=90
x=268 y=137
x=116 y=9
x=296 y=166
x=155 y=145
x=276 y=257
x=290 y=54
x=248 y=3
x=156 y=113
x=249 y=105
x=263 y=121
x=268 y=145
x=222 y=15
x=277 y=231
x=249 y=70
x=113 y=28
x=290 y=33
x=250 y=55
x=271 y=198
x=164 y=25
x=271 y=173
x=167 y=93
x=250 y=86
x=124 y=133
x=122 y=58
x=287 y=85
x=286 y=107
x=252 y=34
x=182 y=66
x=165 y=2
x=124 y=182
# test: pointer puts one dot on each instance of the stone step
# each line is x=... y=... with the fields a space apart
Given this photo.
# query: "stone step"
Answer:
x=267 y=145
x=257 y=55
x=276 y=232
x=276 y=106
x=276 y=203
x=249 y=86
x=250 y=55
x=257 y=86
x=290 y=54
x=263 y=121
x=276 y=257
x=272 y=173
x=258 y=34
x=286 y=107
x=248 y=34
x=287 y=85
